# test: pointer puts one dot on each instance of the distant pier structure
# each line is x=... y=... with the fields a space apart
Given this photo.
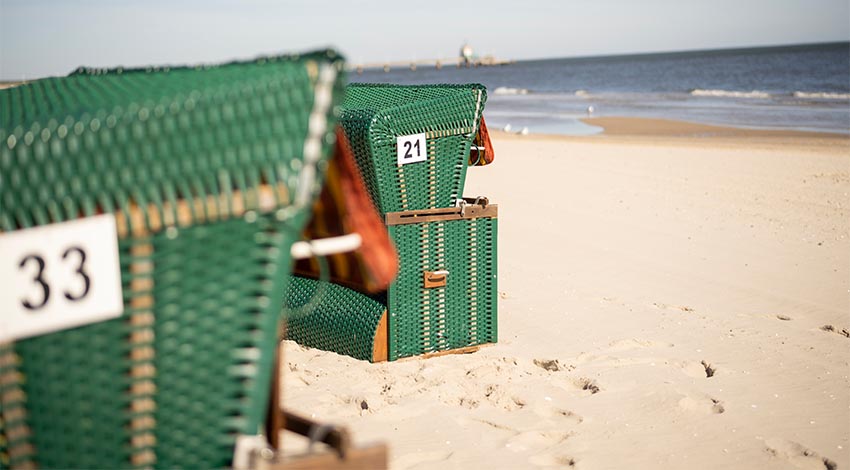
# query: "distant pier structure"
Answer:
x=466 y=54
x=466 y=58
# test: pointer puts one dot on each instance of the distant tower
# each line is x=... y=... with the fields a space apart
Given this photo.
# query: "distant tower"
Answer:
x=466 y=54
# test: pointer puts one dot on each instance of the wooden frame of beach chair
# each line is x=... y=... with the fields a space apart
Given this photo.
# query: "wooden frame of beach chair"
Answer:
x=340 y=454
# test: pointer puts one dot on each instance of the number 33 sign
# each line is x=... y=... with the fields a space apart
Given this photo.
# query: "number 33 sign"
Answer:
x=59 y=276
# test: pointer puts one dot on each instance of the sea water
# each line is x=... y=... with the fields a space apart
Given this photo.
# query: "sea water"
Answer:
x=796 y=87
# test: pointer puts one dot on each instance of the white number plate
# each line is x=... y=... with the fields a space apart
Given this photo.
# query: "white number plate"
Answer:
x=59 y=276
x=411 y=149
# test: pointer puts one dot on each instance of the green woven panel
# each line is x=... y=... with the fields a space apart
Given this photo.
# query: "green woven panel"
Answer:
x=215 y=335
x=464 y=312
x=341 y=320
x=76 y=384
x=188 y=366
x=99 y=139
x=375 y=115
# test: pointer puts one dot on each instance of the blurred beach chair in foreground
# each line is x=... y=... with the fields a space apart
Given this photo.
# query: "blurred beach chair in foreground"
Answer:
x=413 y=145
x=148 y=222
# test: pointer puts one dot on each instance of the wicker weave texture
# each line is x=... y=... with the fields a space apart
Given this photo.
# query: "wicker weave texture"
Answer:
x=185 y=158
x=464 y=312
x=374 y=116
x=72 y=146
x=341 y=320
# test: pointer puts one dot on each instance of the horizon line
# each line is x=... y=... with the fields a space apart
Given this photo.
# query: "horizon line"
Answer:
x=801 y=45
x=754 y=48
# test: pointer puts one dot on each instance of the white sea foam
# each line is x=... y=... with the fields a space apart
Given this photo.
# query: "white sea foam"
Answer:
x=582 y=93
x=731 y=94
x=502 y=90
x=821 y=95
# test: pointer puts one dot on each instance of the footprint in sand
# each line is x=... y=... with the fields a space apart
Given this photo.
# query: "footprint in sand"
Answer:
x=698 y=370
x=798 y=455
x=468 y=403
x=701 y=404
x=536 y=440
x=508 y=367
x=587 y=384
x=422 y=459
x=841 y=331
x=494 y=425
x=553 y=365
x=362 y=404
x=559 y=414
x=681 y=308
x=497 y=396
x=550 y=460
x=634 y=343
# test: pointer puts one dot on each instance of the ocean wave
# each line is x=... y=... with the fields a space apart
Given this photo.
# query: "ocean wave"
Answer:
x=582 y=93
x=731 y=94
x=821 y=95
x=503 y=90
x=543 y=114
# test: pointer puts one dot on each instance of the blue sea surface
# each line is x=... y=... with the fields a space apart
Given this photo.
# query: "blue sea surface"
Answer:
x=795 y=87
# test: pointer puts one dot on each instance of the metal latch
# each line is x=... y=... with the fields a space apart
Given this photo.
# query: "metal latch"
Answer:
x=252 y=452
x=479 y=155
x=435 y=278
x=472 y=207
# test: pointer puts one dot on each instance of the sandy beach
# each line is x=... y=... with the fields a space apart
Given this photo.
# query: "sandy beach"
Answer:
x=672 y=295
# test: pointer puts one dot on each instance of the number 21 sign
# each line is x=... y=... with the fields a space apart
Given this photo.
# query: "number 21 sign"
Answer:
x=59 y=276
x=411 y=149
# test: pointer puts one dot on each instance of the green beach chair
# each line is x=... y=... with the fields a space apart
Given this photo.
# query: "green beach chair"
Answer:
x=199 y=180
x=444 y=298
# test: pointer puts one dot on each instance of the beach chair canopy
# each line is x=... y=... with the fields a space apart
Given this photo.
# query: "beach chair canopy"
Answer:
x=413 y=142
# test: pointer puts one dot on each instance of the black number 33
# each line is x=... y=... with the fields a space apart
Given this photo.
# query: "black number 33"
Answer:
x=80 y=271
x=39 y=278
x=45 y=286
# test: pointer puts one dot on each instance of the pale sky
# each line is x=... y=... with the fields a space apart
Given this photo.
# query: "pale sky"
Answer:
x=42 y=37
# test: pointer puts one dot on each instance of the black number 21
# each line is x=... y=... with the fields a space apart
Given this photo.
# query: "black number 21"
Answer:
x=45 y=286
x=409 y=148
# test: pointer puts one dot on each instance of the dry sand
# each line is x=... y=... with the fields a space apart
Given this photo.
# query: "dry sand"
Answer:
x=671 y=296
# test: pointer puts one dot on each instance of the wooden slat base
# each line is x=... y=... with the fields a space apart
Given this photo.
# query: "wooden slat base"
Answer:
x=341 y=456
x=373 y=457
x=381 y=345
x=466 y=350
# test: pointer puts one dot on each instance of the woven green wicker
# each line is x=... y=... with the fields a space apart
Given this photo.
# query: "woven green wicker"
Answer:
x=344 y=321
x=464 y=312
x=421 y=320
x=375 y=115
x=210 y=172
